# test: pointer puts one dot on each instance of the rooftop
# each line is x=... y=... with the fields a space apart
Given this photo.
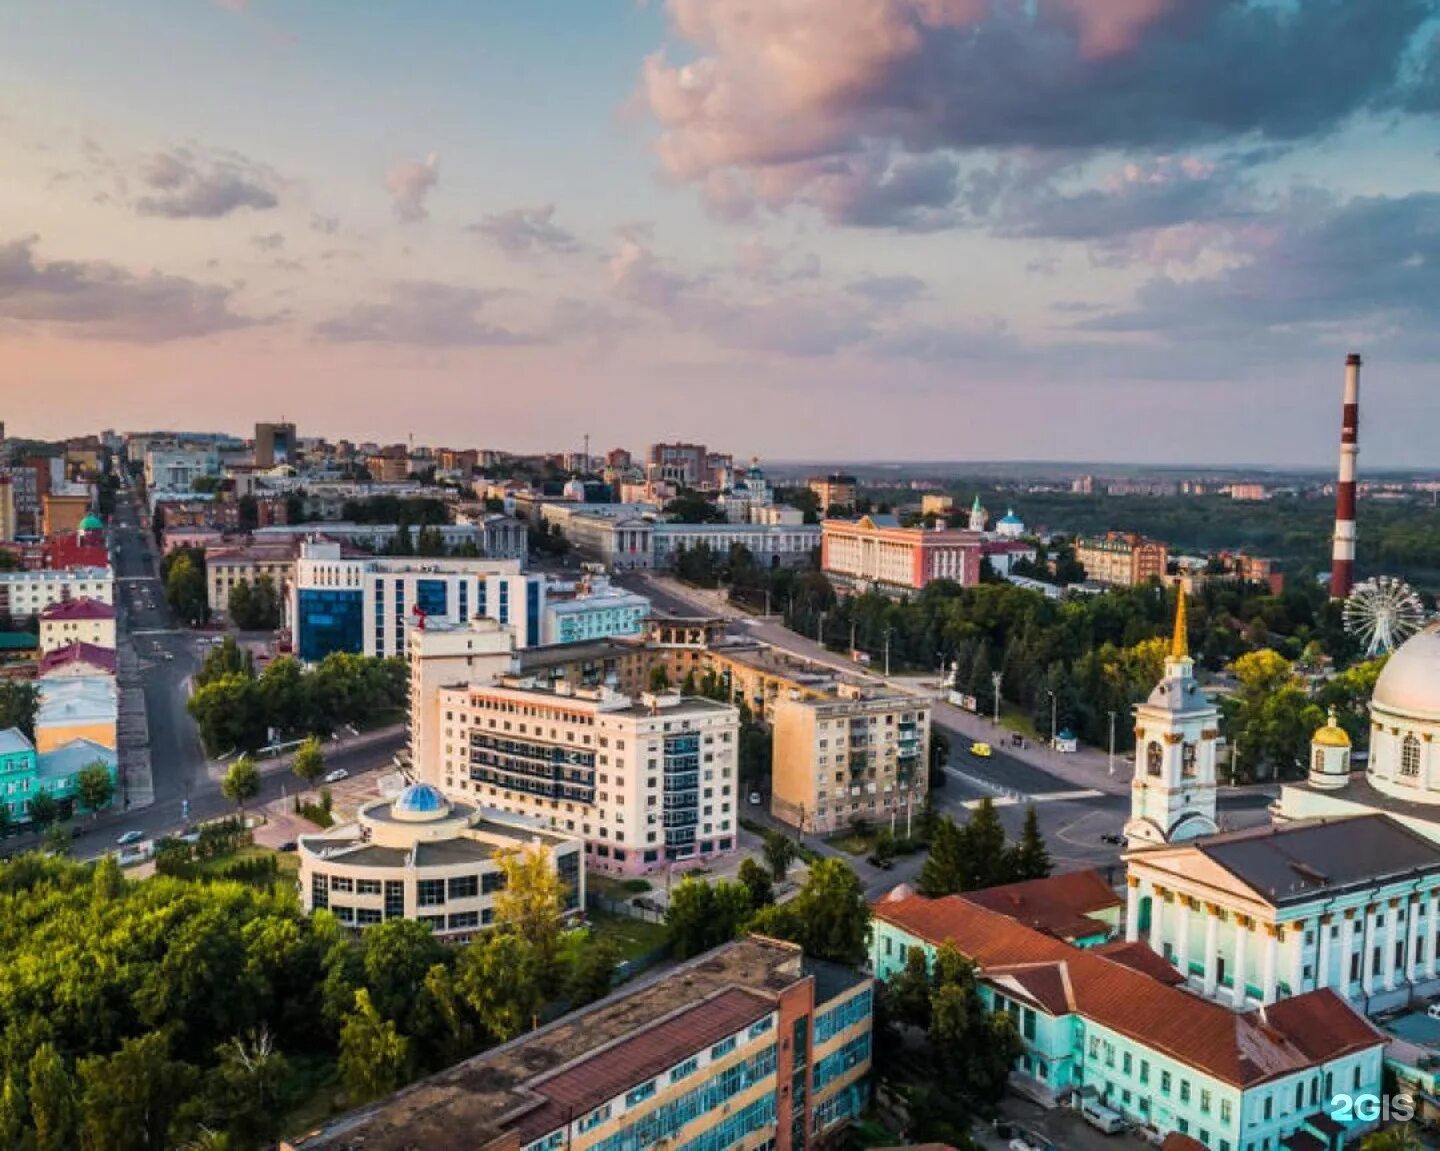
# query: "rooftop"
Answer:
x=82 y=608
x=71 y=757
x=13 y=741
x=1242 y=1049
x=89 y=654
x=528 y=1086
x=1059 y=905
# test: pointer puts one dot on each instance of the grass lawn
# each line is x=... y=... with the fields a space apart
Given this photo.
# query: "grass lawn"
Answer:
x=616 y=889
x=288 y=862
x=853 y=842
x=634 y=937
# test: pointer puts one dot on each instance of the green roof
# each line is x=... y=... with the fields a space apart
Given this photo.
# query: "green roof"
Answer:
x=18 y=641
x=92 y=523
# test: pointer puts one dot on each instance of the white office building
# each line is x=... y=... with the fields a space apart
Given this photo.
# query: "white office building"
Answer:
x=598 y=611
x=25 y=594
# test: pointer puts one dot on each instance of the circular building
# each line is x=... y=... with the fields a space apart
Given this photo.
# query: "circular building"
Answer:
x=1405 y=721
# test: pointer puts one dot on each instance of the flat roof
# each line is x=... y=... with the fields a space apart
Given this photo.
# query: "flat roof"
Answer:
x=528 y=1086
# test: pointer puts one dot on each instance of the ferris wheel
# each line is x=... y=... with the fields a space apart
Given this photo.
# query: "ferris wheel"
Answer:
x=1382 y=613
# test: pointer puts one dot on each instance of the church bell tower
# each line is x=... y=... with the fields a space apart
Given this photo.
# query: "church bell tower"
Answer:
x=1172 y=794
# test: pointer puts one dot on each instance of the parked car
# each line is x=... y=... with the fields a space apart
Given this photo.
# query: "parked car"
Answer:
x=982 y=750
x=1112 y=838
x=129 y=837
x=288 y=845
x=337 y=775
x=755 y=799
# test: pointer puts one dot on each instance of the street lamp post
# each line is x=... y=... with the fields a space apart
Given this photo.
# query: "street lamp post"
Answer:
x=996 y=679
x=820 y=630
x=888 y=630
x=1112 y=743
x=1053 y=708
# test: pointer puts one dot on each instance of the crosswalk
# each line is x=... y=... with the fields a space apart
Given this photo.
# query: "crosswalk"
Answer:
x=1044 y=797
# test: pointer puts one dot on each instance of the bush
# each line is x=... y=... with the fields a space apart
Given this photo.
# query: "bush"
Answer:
x=636 y=886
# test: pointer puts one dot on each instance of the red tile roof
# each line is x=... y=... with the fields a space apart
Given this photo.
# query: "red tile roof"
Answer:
x=1059 y=905
x=1177 y=1142
x=1322 y=1025
x=82 y=608
x=89 y=653
x=1139 y=956
x=1242 y=1049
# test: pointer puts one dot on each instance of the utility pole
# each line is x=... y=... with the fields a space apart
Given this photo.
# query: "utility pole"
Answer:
x=1112 y=743
x=997 y=678
x=852 y=637
x=820 y=630
x=888 y=630
x=1053 y=707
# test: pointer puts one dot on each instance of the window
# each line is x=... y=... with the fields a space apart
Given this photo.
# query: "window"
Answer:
x=1187 y=761
x=493 y=881
x=595 y=1118
x=430 y=892
x=758 y=1029
x=723 y=1048
x=640 y=1094
x=1153 y=755
x=341 y=883
x=464 y=887
x=1204 y=1101
x=1184 y=1091
x=367 y=887
x=1410 y=756
x=1164 y=1083
x=464 y=919
x=684 y=1069
x=1144 y=1071
x=1225 y=1111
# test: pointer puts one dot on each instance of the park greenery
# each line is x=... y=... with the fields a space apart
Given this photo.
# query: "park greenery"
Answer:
x=235 y=708
x=203 y=1005
x=974 y=855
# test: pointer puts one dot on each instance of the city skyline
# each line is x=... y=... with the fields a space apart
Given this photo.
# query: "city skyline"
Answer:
x=900 y=229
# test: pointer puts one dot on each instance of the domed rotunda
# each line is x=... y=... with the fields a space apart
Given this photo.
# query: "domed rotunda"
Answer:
x=1405 y=721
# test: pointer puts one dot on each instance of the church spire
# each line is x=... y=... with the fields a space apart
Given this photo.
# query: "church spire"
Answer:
x=1180 y=638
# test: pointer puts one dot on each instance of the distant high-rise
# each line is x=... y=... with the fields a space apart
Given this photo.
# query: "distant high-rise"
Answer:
x=274 y=444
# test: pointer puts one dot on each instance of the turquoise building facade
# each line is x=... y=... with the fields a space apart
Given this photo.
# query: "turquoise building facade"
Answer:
x=24 y=773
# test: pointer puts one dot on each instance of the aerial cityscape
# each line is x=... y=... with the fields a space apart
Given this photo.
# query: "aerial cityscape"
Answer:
x=719 y=575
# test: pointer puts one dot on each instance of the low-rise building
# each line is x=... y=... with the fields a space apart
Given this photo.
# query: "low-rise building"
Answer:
x=78 y=707
x=851 y=756
x=597 y=611
x=77 y=660
x=875 y=552
x=1122 y=559
x=226 y=567
x=1098 y=1025
x=62 y=510
x=82 y=620
x=26 y=771
x=749 y=1046
x=25 y=594
x=421 y=856
x=645 y=782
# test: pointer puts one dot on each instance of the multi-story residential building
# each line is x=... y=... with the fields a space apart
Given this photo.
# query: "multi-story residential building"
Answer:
x=421 y=856
x=25 y=772
x=25 y=493
x=77 y=707
x=1350 y=904
x=228 y=566
x=8 y=521
x=837 y=490
x=684 y=465
x=876 y=552
x=275 y=444
x=625 y=537
x=369 y=604
x=645 y=782
x=25 y=594
x=1122 y=559
x=81 y=620
x=849 y=757
x=749 y=1046
x=388 y=469
x=1102 y=1024
x=447 y=655
x=596 y=612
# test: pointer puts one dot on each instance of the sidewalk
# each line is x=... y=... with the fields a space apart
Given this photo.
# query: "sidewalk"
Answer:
x=274 y=765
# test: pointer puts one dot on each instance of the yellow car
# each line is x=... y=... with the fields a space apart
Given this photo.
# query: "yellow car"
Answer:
x=981 y=749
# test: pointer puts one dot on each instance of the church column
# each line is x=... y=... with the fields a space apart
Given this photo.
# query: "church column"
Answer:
x=1412 y=968
x=1347 y=946
x=1212 y=940
x=1272 y=949
x=1157 y=920
x=1132 y=908
x=1295 y=933
x=1392 y=932
x=1432 y=936
x=1242 y=932
x=1182 y=934
x=1367 y=952
x=1322 y=964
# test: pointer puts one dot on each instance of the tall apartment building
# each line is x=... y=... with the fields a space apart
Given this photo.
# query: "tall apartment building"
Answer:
x=275 y=444
x=7 y=509
x=685 y=465
x=1122 y=559
x=749 y=1046
x=876 y=552
x=850 y=756
x=645 y=782
x=837 y=490
x=449 y=655
x=369 y=604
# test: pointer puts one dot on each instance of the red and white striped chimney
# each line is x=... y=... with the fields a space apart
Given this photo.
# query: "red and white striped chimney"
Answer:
x=1342 y=563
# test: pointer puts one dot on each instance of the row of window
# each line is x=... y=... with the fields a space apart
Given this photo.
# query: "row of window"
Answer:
x=829 y=1024
x=838 y=1062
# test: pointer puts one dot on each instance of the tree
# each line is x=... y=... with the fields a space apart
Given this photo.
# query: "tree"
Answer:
x=986 y=847
x=497 y=978
x=19 y=703
x=659 y=678
x=44 y=810
x=374 y=1056
x=128 y=1099
x=398 y=955
x=57 y=840
x=6 y=820
x=227 y=658
x=757 y=882
x=829 y=917
x=593 y=974
x=780 y=852
x=947 y=867
x=908 y=991
x=1400 y=1138
x=703 y=915
x=229 y=713
x=185 y=590
x=530 y=904
x=972 y=1048
x=94 y=786
x=241 y=783
x=14 y=1110
x=309 y=761
x=247 y=1087
x=241 y=606
x=1029 y=859
x=52 y=1101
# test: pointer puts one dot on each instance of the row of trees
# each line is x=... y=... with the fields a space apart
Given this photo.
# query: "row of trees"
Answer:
x=141 y=1016
x=235 y=708
x=974 y=855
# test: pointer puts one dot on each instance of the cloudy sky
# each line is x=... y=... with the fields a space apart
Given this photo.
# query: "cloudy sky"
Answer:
x=967 y=229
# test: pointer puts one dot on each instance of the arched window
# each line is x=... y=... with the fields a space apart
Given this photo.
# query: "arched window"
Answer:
x=1152 y=758
x=1319 y=760
x=1187 y=761
x=1410 y=756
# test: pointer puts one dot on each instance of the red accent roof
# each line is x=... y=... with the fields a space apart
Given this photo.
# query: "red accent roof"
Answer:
x=1177 y=1142
x=82 y=608
x=59 y=553
x=1139 y=956
x=1242 y=1049
x=101 y=657
x=1059 y=905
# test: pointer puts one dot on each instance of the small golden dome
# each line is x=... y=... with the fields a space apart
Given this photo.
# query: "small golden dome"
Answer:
x=1331 y=735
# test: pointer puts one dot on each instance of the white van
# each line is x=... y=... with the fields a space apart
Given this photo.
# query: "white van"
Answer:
x=1101 y=1117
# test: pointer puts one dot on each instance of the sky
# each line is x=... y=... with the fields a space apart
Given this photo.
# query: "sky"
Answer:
x=1116 y=230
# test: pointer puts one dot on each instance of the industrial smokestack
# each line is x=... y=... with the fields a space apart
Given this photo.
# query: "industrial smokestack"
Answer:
x=1342 y=564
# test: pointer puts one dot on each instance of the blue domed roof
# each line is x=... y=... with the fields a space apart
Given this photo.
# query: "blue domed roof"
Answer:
x=420 y=799
x=1011 y=517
